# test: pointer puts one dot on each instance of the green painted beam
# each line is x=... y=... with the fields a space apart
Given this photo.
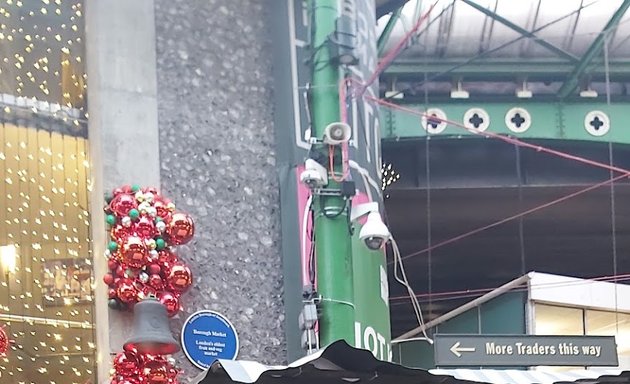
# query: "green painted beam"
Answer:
x=333 y=245
x=489 y=69
x=595 y=48
x=563 y=121
x=387 y=31
x=558 y=51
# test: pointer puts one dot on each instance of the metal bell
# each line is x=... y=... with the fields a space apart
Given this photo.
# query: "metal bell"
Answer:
x=151 y=333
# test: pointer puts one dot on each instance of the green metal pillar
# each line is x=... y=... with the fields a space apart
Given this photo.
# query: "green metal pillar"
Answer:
x=332 y=238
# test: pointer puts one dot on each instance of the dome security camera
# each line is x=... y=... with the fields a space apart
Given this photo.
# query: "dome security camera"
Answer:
x=374 y=233
x=314 y=174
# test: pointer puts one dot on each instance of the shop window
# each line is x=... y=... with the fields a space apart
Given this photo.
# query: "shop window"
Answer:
x=554 y=320
x=601 y=323
x=46 y=296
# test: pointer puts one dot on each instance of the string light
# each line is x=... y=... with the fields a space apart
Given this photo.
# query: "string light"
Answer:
x=45 y=195
x=389 y=176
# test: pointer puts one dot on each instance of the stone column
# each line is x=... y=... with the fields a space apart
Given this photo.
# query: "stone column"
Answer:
x=123 y=131
x=215 y=102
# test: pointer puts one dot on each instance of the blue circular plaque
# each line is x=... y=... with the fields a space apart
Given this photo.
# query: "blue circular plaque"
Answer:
x=208 y=336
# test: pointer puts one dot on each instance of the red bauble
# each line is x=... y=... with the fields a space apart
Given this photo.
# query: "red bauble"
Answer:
x=127 y=291
x=166 y=257
x=122 y=203
x=119 y=233
x=172 y=374
x=117 y=191
x=180 y=229
x=4 y=342
x=162 y=209
x=127 y=364
x=179 y=278
x=112 y=293
x=154 y=269
x=108 y=279
x=148 y=290
x=125 y=380
x=155 y=372
x=156 y=282
x=145 y=228
x=153 y=190
x=112 y=264
x=170 y=301
x=120 y=271
x=134 y=252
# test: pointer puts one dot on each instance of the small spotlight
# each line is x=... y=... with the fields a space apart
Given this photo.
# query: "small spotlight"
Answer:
x=459 y=93
x=588 y=93
x=523 y=92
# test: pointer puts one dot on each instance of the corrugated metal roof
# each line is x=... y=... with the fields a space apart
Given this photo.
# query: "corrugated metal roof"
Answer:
x=459 y=30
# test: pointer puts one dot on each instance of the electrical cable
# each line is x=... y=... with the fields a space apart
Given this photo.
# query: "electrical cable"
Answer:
x=389 y=58
x=516 y=216
x=485 y=53
x=307 y=209
x=336 y=214
x=613 y=209
x=402 y=279
x=507 y=139
x=521 y=224
x=458 y=295
x=343 y=113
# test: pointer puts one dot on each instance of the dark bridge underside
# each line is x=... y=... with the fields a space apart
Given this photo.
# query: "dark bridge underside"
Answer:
x=470 y=183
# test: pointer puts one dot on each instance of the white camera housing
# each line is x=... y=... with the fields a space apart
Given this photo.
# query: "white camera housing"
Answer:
x=314 y=175
x=374 y=233
x=337 y=133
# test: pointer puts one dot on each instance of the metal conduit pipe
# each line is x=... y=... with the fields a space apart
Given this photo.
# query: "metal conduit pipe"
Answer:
x=470 y=305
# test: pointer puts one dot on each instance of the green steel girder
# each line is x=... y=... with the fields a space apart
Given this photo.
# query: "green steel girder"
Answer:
x=490 y=69
x=384 y=7
x=387 y=31
x=558 y=51
x=593 y=50
x=562 y=121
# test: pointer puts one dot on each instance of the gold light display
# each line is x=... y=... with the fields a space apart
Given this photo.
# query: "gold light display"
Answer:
x=46 y=289
x=47 y=296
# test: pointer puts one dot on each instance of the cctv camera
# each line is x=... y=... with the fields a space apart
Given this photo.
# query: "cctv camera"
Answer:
x=314 y=174
x=336 y=133
x=374 y=233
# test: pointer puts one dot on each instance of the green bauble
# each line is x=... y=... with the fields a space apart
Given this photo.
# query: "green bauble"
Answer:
x=110 y=219
x=112 y=246
x=135 y=188
x=108 y=197
x=134 y=214
x=160 y=243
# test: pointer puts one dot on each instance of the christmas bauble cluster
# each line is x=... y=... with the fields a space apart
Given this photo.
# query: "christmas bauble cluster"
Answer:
x=4 y=342
x=136 y=368
x=144 y=227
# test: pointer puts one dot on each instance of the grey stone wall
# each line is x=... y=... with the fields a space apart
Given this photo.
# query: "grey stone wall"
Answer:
x=218 y=163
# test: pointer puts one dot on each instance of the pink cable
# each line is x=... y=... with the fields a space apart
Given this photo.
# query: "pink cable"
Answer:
x=343 y=112
x=506 y=139
x=514 y=141
x=384 y=63
x=516 y=216
x=472 y=292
